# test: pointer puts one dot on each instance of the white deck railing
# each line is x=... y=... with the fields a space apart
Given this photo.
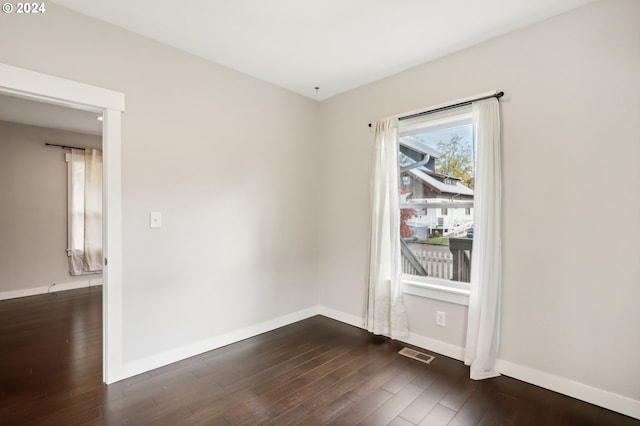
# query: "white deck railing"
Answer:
x=438 y=264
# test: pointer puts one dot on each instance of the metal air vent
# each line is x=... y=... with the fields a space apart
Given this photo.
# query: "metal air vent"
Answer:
x=420 y=356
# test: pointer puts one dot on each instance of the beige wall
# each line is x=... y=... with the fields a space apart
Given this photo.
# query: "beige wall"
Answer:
x=224 y=157
x=571 y=142
x=33 y=216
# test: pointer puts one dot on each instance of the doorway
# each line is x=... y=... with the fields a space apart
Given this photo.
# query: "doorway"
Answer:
x=48 y=89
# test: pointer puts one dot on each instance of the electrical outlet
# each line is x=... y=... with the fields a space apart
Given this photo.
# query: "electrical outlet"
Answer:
x=155 y=220
x=441 y=318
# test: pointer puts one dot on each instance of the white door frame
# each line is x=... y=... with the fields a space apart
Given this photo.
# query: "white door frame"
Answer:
x=54 y=90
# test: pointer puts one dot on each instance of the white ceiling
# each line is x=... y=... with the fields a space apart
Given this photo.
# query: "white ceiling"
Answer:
x=23 y=111
x=337 y=45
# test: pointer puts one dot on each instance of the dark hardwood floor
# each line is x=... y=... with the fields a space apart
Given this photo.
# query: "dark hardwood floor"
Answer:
x=313 y=372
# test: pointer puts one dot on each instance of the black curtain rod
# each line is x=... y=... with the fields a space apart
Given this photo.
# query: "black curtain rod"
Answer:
x=64 y=146
x=448 y=107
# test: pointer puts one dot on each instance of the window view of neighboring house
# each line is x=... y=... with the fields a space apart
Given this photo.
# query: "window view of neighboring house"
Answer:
x=436 y=196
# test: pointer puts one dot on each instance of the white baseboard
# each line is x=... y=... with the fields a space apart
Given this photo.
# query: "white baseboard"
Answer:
x=350 y=319
x=14 y=294
x=590 y=394
x=596 y=396
x=156 y=361
x=602 y=398
x=437 y=346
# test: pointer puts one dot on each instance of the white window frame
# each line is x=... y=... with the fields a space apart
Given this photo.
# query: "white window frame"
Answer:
x=456 y=292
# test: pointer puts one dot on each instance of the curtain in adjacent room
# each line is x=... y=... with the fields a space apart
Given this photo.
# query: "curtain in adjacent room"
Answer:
x=483 y=327
x=385 y=312
x=85 y=211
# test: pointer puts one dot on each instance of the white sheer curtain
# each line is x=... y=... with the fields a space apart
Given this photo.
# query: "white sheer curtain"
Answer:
x=483 y=329
x=85 y=211
x=385 y=311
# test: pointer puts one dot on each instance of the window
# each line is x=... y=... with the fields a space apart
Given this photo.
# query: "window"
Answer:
x=437 y=165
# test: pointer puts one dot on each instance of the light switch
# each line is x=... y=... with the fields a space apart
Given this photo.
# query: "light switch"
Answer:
x=155 y=220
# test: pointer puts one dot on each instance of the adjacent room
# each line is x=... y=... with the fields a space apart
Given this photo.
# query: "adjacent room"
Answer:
x=291 y=193
x=43 y=244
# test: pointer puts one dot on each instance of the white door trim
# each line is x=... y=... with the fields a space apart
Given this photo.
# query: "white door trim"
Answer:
x=55 y=90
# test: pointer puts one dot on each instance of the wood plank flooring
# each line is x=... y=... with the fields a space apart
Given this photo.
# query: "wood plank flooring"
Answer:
x=313 y=372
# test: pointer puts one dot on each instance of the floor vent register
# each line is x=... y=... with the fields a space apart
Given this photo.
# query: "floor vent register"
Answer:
x=422 y=357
